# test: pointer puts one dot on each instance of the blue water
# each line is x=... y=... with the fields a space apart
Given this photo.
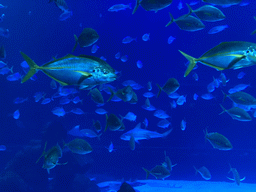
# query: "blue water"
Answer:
x=42 y=36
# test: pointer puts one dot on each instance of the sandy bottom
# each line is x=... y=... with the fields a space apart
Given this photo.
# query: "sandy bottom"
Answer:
x=173 y=185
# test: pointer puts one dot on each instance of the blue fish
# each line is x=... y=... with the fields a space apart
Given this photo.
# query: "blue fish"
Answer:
x=59 y=111
x=217 y=29
x=16 y=114
x=14 y=77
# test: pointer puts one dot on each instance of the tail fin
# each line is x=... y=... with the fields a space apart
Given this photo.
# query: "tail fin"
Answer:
x=42 y=153
x=192 y=63
x=225 y=95
x=136 y=6
x=171 y=20
x=76 y=39
x=190 y=9
x=147 y=172
x=224 y=110
x=33 y=67
x=112 y=94
x=160 y=90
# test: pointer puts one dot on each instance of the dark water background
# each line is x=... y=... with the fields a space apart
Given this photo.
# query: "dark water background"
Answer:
x=42 y=36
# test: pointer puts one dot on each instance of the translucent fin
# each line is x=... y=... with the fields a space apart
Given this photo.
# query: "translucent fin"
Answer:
x=191 y=65
x=76 y=39
x=33 y=67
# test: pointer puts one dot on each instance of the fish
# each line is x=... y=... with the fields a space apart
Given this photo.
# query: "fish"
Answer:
x=125 y=94
x=226 y=55
x=97 y=125
x=241 y=98
x=124 y=58
x=240 y=75
x=168 y=164
x=119 y=7
x=218 y=141
x=75 y=131
x=237 y=113
x=163 y=123
x=170 y=39
x=14 y=77
x=183 y=124
x=2 y=147
x=61 y=4
x=94 y=48
x=159 y=172
x=59 y=111
x=110 y=148
x=83 y=71
x=207 y=13
x=145 y=37
x=16 y=114
x=128 y=39
x=51 y=157
x=2 y=52
x=139 y=64
x=87 y=38
x=89 y=133
x=19 y=100
x=152 y=5
x=169 y=87
x=181 y=100
x=141 y=134
x=223 y=2
x=113 y=122
x=187 y=23
x=236 y=176
x=79 y=146
x=96 y=96
x=130 y=116
x=101 y=111
x=161 y=114
x=217 y=29
x=77 y=111
x=204 y=172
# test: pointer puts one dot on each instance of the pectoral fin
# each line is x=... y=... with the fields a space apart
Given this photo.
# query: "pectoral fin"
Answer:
x=235 y=60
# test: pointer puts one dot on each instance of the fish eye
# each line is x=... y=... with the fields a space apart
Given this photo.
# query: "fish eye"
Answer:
x=105 y=72
x=247 y=51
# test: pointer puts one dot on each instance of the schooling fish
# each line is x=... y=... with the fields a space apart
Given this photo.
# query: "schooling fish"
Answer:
x=222 y=2
x=83 y=71
x=226 y=55
x=152 y=5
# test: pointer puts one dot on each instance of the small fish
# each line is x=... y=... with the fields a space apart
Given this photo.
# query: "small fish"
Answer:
x=14 y=77
x=77 y=99
x=79 y=146
x=163 y=123
x=241 y=98
x=77 y=111
x=94 y=48
x=19 y=100
x=170 y=39
x=118 y=55
x=87 y=38
x=240 y=75
x=207 y=96
x=61 y=4
x=148 y=94
x=110 y=148
x=195 y=76
x=217 y=29
x=161 y=114
x=174 y=95
x=126 y=94
x=204 y=172
x=139 y=64
x=150 y=5
x=59 y=111
x=159 y=172
x=38 y=96
x=145 y=122
x=195 y=96
x=145 y=37
x=181 y=100
x=100 y=111
x=173 y=104
x=46 y=101
x=130 y=116
x=218 y=141
x=16 y=114
x=119 y=7
x=183 y=124
x=236 y=176
x=124 y=58
x=180 y=5
x=169 y=87
x=128 y=39
x=89 y=133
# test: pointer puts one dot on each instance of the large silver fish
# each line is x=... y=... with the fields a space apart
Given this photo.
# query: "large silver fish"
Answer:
x=83 y=71
x=223 y=2
x=140 y=134
x=226 y=55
